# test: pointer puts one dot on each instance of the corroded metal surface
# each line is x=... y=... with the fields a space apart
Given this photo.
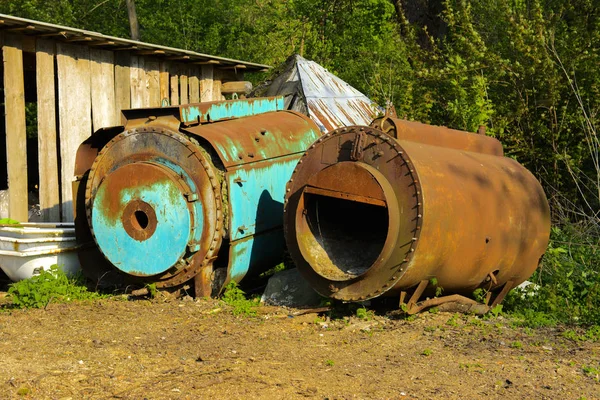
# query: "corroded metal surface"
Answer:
x=331 y=102
x=368 y=214
x=310 y=89
x=220 y=110
x=157 y=199
x=438 y=136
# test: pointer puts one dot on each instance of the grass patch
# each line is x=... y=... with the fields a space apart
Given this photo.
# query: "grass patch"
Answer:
x=567 y=284
x=363 y=313
x=51 y=285
x=236 y=298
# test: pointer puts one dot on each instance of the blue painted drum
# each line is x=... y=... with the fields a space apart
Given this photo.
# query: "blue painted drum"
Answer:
x=141 y=219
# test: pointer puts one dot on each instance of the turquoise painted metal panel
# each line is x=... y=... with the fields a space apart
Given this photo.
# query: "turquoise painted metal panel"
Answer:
x=256 y=195
x=191 y=185
x=162 y=199
x=258 y=138
x=221 y=110
x=255 y=254
x=157 y=250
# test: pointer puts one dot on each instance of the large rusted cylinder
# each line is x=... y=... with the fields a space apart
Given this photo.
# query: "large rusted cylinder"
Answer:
x=369 y=213
x=194 y=191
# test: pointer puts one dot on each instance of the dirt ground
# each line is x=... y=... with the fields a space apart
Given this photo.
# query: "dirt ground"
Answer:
x=186 y=349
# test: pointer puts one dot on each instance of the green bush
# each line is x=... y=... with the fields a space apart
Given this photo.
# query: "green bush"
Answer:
x=569 y=283
x=236 y=298
x=51 y=285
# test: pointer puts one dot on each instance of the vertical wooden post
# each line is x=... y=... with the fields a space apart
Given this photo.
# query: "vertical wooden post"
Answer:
x=46 y=116
x=194 y=83
x=183 y=85
x=74 y=105
x=164 y=83
x=103 y=89
x=122 y=83
x=217 y=95
x=174 y=85
x=16 y=136
x=153 y=86
x=206 y=83
x=139 y=92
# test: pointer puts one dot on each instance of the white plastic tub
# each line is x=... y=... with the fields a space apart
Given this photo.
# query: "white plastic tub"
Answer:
x=29 y=247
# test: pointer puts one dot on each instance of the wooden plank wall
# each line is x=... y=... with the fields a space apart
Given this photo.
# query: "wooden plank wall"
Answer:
x=89 y=89
x=47 y=152
x=16 y=139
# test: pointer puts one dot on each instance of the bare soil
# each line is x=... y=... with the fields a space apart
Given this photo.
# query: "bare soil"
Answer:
x=184 y=349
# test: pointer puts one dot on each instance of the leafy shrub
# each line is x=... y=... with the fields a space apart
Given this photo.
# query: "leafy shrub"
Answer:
x=9 y=221
x=50 y=285
x=236 y=298
x=569 y=283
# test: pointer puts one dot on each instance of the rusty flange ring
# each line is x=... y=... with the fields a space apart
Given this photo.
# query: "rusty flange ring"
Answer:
x=384 y=156
x=176 y=153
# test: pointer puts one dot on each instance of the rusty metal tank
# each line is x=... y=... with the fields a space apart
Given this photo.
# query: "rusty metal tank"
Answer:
x=400 y=207
x=188 y=192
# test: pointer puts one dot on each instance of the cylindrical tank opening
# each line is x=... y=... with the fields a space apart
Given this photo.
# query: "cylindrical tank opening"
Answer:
x=139 y=220
x=341 y=239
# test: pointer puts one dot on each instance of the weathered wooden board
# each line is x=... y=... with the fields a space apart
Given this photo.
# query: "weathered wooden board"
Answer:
x=74 y=105
x=140 y=96
x=122 y=82
x=46 y=118
x=164 y=83
x=206 y=83
x=174 y=85
x=239 y=87
x=16 y=137
x=183 y=86
x=103 y=89
x=153 y=83
x=194 y=84
x=217 y=95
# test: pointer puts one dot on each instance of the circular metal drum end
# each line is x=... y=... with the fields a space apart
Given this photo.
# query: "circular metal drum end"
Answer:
x=344 y=224
x=153 y=205
x=139 y=220
x=351 y=215
x=136 y=210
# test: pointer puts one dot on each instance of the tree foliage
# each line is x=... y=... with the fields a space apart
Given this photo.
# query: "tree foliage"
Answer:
x=526 y=69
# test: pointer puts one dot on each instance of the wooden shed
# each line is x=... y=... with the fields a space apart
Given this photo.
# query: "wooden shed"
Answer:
x=60 y=84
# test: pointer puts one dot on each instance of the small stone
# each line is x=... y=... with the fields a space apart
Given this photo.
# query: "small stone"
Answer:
x=288 y=288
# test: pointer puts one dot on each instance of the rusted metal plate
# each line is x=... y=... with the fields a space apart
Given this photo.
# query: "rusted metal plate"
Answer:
x=136 y=210
x=153 y=207
x=438 y=136
x=221 y=110
x=255 y=254
x=256 y=194
x=258 y=138
x=460 y=214
x=156 y=201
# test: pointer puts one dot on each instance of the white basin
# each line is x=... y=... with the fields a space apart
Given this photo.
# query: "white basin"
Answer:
x=28 y=247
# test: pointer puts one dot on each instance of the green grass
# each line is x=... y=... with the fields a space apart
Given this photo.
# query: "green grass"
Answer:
x=568 y=283
x=236 y=298
x=51 y=285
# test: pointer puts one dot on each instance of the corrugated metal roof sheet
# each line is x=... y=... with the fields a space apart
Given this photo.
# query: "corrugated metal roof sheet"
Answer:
x=59 y=32
x=331 y=102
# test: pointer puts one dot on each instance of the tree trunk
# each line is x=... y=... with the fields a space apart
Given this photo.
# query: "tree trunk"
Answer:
x=133 y=20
